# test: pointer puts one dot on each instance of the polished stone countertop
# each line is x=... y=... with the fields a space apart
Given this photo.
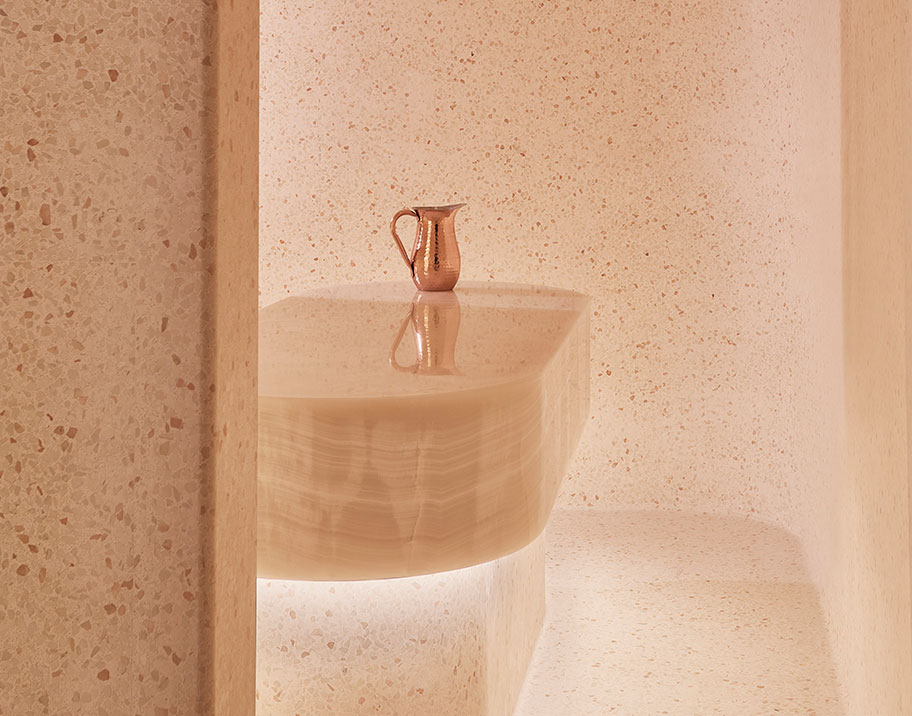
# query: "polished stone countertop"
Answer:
x=404 y=433
x=336 y=343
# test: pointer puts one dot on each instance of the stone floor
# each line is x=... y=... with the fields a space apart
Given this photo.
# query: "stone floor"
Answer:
x=667 y=613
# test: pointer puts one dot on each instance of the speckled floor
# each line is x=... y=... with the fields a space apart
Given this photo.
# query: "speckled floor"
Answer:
x=681 y=614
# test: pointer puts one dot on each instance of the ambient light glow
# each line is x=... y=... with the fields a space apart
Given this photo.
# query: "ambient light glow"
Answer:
x=429 y=644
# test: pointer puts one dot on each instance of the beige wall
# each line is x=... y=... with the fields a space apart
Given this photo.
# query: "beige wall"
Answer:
x=230 y=528
x=679 y=162
x=725 y=184
x=127 y=360
x=866 y=575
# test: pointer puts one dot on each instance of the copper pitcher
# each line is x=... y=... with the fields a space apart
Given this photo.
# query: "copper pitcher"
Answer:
x=434 y=319
x=434 y=263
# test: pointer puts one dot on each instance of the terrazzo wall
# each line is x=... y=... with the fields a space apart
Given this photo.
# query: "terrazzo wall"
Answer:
x=725 y=181
x=455 y=643
x=127 y=361
x=678 y=162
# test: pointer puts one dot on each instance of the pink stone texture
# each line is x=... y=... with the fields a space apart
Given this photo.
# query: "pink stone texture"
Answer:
x=119 y=591
x=729 y=182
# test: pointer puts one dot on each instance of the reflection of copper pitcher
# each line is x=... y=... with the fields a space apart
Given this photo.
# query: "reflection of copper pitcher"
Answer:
x=434 y=263
x=434 y=318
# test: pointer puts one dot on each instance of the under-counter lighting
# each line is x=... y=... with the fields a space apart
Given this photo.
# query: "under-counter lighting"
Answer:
x=453 y=642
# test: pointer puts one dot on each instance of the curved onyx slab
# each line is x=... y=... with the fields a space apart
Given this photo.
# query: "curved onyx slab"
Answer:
x=405 y=433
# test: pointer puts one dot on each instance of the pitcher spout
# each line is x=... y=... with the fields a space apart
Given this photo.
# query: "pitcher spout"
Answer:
x=440 y=212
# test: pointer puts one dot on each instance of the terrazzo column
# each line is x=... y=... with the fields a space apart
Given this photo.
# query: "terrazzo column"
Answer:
x=128 y=200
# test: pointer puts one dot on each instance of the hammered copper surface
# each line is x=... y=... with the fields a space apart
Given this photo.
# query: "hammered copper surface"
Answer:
x=367 y=472
x=434 y=263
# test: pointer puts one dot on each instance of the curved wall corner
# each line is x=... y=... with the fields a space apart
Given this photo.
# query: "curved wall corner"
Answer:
x=128 y=201
x=861 y=546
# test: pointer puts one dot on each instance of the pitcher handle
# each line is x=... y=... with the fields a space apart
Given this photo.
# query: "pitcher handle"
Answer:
x=399 y=215
x=392 y=357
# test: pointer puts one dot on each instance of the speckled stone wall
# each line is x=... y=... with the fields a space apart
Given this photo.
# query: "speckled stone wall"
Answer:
x=690 y=165
x=230 y=534
x=120 y=593
x=455 y=643
x=677 y=161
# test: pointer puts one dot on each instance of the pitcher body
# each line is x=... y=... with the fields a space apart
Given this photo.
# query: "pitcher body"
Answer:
x=434 y=262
